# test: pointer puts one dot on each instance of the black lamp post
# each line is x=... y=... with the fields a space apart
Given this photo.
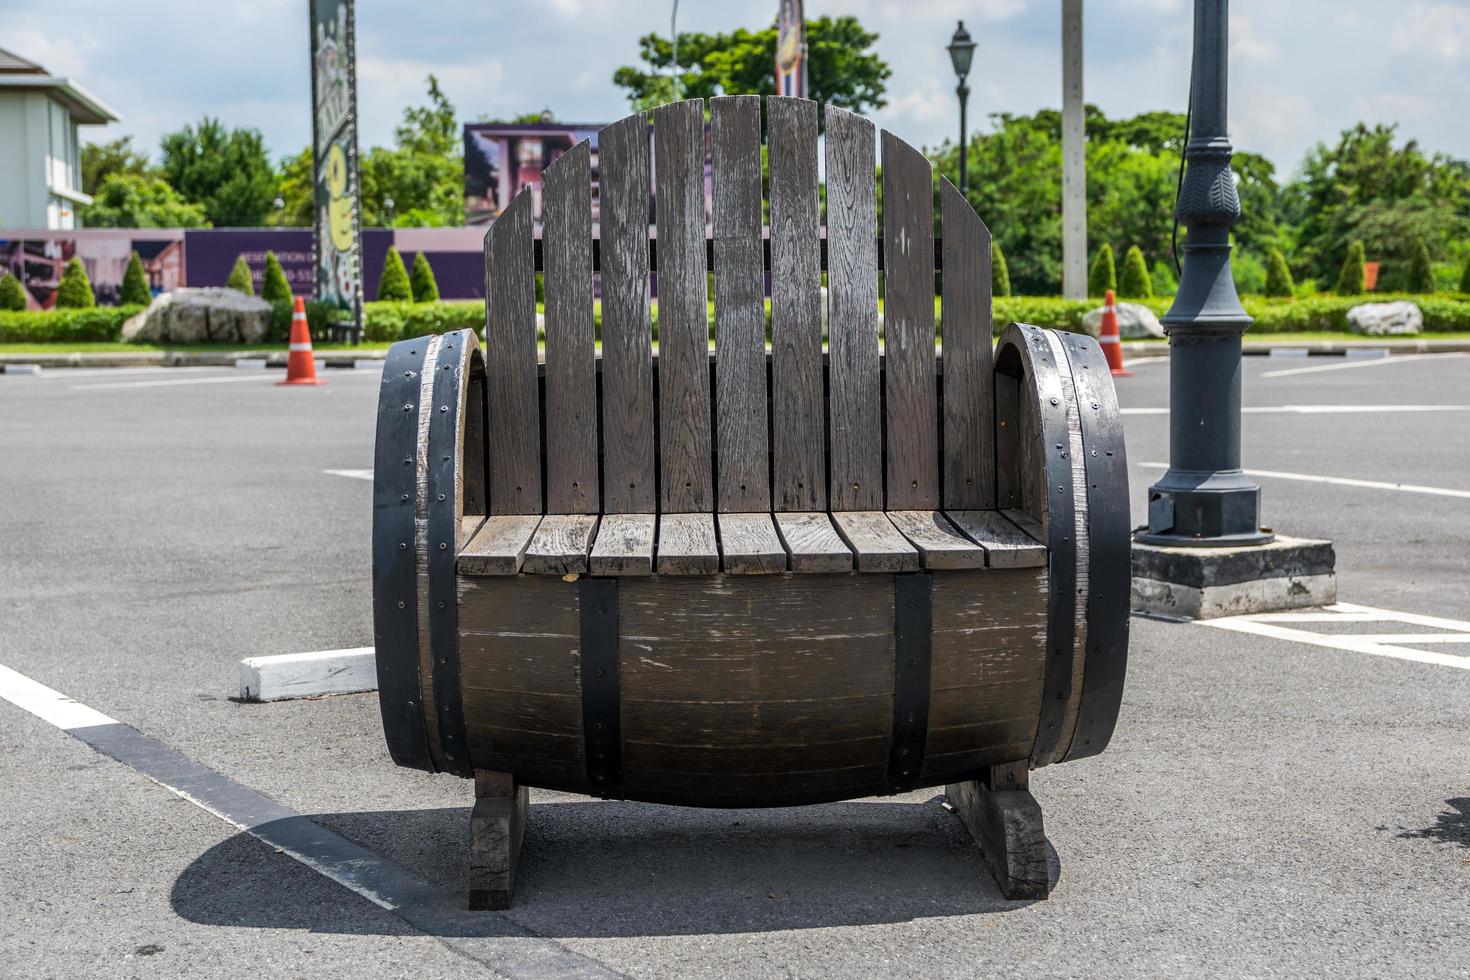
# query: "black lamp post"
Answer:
x=1205 y=500
x=961 y=50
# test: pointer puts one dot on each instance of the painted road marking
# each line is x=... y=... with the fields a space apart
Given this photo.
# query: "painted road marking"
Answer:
x=489 y=938
x=352 y=474
x=174 y=382
x=1139 y=361
x=1317 y=409
x=1343 y=481
x=1395 y=645
x=1346 y=365
x=306 y=675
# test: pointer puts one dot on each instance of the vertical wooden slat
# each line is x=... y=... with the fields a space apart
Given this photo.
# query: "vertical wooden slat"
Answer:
x=969 y=388
x=685 y=484
x=798 y=423
x=571 y=380
x=908 y=328
x=627 y=346
x=740 y=321
x=855 y=425
x=514 y=419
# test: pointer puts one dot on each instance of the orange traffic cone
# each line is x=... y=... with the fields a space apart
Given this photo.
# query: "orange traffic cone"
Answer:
x=300 y=365
x=1112 y=344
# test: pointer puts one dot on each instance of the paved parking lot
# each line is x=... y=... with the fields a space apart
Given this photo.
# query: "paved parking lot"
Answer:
x=1268 y=806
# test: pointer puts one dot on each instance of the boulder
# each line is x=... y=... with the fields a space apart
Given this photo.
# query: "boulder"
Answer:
x=1385 y=319
x=210 y=315
x=1134 y=321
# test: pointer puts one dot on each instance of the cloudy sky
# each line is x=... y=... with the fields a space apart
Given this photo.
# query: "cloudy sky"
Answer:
x=1301 y=69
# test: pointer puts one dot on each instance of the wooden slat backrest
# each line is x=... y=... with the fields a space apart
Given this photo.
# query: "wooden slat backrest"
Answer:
x=510 y=355
x=969 y=388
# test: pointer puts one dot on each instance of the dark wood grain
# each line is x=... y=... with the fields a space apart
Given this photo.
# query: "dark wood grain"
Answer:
x=1007 y=825
x=855 y=424
x=798 y=409
x=560 y=545
x=686 y=484
x=878 y=545
x=940 y=545
x=749 y=545
x=687 y=545
x=740 y=317
x=497 y=830
x=912 y=453
x=499 y=545
x=627 y=341
x=969 y=390
x=1006 y=546
x=812 y=543
x=624 y=545
x=571 y=381
x=514 y=421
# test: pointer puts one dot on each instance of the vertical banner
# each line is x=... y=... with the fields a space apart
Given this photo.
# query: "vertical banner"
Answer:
x=790 y=50
x=338 y=235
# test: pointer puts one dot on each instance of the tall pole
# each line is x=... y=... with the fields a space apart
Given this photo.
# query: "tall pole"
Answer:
x=964 y=93
x=1204 y=499
x=674 y=39
x=1074 y=157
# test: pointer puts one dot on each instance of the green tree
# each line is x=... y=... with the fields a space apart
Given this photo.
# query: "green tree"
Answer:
x=137 y=201
x=1000 y=276
x=1351 y=278
x=1465 y=277
x=135 y=291
x=423 y=173
x=1279 y=282
x=842 y=67
x=1135 y=283
x=1104 y=274
x=240 y=279
x=1249 y=272
x=12 y=293
x=421 y=280
x=75 y=291
x=227 y=172
x=393 y=284
x=1421 y=269
x=1162 y=277
x=296 y=187
x=102 y=160
x=273 y=285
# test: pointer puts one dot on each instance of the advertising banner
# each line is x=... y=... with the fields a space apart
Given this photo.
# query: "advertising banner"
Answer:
x=334 y=141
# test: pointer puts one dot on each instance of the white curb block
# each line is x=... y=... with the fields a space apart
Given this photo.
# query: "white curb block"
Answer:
x=304 y=675
x=251 y=363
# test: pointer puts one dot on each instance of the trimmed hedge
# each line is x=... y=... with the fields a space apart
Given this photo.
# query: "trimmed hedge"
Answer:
x=97 y=325
x=397 y=321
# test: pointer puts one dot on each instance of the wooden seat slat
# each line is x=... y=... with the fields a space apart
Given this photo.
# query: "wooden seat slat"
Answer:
x=1028 y=524
x=1006 y=546
x=624 y=545
x=514 y=421
x=749 y=545
x=812 y=543
x=940 y=545
x=878 y=545
x=560 y=545
x=499 y=546
x=969 y=388
x=687 y=545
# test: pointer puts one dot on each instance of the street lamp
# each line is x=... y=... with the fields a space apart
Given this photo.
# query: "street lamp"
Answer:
x=961 y=50
x=388 y=209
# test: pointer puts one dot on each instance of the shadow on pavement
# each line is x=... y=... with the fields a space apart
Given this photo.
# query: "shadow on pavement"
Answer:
x=1451 y=827
x=613 y=869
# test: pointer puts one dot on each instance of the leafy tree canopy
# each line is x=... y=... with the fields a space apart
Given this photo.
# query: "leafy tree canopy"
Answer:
x=226 y=171
x=137 y=201
x=424 y=172
x=102 y=160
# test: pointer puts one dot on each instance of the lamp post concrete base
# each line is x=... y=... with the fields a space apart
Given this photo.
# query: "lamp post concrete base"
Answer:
x=1206 y=583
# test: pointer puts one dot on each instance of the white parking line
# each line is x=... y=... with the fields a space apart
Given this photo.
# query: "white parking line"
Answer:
x=174 y=382
x=1345 y=365
x=1343 y=481
x=1393 y=645
x=1317 y=409
x=353 y=474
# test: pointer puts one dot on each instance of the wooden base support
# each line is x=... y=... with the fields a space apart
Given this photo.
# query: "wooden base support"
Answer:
x=1005 y=820
x=497 y=827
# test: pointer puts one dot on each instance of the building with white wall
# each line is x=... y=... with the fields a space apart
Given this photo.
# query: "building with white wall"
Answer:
x=40 y=157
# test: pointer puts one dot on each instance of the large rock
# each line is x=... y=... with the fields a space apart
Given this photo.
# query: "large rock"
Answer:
x=1385 y=319
x=210 y=315
x=1134 y=321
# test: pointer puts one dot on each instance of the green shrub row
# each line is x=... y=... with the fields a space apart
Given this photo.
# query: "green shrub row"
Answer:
x=1442 y=314
x=396 y=321
x=85 y=326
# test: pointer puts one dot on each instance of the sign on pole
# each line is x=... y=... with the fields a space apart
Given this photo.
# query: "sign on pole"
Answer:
x=334 y=152
x=790 y=50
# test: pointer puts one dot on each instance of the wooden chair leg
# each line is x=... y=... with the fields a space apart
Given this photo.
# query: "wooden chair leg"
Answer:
x=1005 y=820
x=497 y=827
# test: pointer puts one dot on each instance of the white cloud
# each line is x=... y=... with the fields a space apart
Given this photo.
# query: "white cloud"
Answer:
x=59 y=55
x=1245 y=45
x=1441 y=29
x=1394 y=107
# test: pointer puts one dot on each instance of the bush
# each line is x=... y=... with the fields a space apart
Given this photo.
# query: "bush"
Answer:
x=393 y=285
x=12 y=293
x=240 y=277
x=1162 y=279
x=1278 y=275
x=1421 y=269
x=318 y=315
x=1249 y=274
x=1135 y=283
x=398 y=321
x=1000 y=275
x=97 y=325
x=421 y=280
x=273 y=286
x=135 y=291
x=75 y=291
x=1465 y=277
x=1352 y=280
x=1104 y=274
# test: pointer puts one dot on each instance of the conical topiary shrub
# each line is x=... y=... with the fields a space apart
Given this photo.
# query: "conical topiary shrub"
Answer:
x=75 y=291
x=1163 y=280
x=1421 y=269
x=1135 y=282
x=1279 y=282
x=1000 y=274
x=393 y=285
x=273 y=285
x=12 y=293
x=135 y=291
x=240 y=280
x=1104 y=274
x=421 y=280
x=1351 y=279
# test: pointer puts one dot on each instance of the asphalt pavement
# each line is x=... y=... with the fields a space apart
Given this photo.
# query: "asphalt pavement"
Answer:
x=1266 y=807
